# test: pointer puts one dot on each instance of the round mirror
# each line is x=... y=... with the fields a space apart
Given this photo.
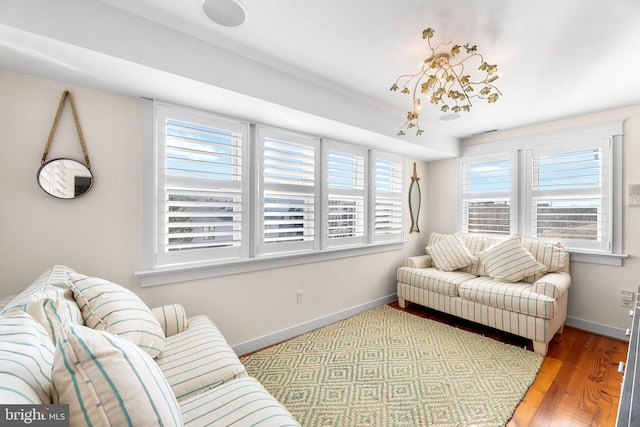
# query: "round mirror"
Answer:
x=65 y=178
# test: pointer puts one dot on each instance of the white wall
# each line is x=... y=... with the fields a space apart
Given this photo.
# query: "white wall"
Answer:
x=90 y=43
x=99 y=234
x=594 y=297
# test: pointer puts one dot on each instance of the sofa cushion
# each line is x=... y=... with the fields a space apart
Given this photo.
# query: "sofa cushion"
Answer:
x=450 y=254
x=26 y=357
x=432 y=279
x=199 y=358
x=516 y=297
x=240 y=402
x=110 y=307
x=109 y=381
x=509 y=261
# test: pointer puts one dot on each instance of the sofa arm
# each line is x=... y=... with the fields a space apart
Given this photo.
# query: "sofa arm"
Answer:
x=421 y=261
x=552 y=284
x=172 y=318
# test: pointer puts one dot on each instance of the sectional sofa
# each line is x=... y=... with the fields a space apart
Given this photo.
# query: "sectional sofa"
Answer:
x=94 y=345
x=520 y=286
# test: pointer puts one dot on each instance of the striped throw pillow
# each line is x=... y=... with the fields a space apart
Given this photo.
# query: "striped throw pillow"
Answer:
x=4 y=301
x=450 y=253
x=509 y=261
x=50 y=307
x=106 y=306
x=549 y=253
x=476 y=244
x=50 y=285
x=26 y=357
x=109 y=381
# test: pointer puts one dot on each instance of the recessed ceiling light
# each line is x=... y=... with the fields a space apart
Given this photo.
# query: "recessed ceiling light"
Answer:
x=230 y=13
x=448 y=117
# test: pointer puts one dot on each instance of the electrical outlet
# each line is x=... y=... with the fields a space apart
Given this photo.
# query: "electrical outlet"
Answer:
x=626 y=298
x=300 y=296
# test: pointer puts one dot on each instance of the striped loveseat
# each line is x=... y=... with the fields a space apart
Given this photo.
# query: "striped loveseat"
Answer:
x=94 y=345
x=516 y=285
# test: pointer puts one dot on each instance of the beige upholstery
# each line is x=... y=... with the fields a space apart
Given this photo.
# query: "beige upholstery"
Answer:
x=196 y=379
x=534 y=309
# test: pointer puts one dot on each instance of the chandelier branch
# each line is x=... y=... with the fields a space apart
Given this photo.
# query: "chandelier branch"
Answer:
x=443 y=81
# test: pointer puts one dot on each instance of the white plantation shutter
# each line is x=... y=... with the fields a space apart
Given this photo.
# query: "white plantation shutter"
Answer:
x=570 y=194
x=345 y=173
x=387 y=172
x=288 y=193
x=202 y=183
x=221 y=195
x=487 y=186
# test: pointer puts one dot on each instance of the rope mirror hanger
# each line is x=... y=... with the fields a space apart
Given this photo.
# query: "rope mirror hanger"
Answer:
x=65 y=178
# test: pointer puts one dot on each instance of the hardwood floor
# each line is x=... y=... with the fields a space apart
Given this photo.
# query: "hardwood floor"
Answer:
x=578 y=384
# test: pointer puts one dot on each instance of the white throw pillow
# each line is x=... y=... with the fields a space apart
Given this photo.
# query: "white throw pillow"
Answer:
x=109 y=381
x=110 y=307
x=509 y=261
x=450 y=253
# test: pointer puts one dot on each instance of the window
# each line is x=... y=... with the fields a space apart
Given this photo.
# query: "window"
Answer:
x=345 y=194
x=223 y=196
x=201 y=191
x=564 y=186
x=288 y=180
x=387 y=198
x=569 y=195
x=487 y=187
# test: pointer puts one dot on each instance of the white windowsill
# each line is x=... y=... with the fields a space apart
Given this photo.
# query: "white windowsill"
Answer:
x=597 y=257
x=173 y=274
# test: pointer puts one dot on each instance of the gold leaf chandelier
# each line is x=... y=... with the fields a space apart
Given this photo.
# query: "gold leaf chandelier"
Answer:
x=444 y=81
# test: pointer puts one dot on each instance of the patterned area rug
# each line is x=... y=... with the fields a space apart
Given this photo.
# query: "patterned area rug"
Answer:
x=385 y=367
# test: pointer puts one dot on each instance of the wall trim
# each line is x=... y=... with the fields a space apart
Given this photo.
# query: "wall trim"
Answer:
x=302 y=328
x=597 y=328
x=162 y=276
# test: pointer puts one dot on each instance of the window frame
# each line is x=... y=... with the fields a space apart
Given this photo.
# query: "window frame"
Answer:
x=579 y=137
x=466 y=162
x=310 y=143
x=165 y=112
x=602 y=245
x=153 y=273
x=361 y=154
x=392 y=197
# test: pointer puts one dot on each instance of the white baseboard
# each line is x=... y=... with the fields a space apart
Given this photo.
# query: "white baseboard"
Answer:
x=294 y=331
x=597 y=328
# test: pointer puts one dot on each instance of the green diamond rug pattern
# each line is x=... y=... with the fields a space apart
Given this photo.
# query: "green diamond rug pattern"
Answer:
x=385 y=367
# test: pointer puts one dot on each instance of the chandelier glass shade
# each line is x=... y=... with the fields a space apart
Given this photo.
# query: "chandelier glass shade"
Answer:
x=450 y=77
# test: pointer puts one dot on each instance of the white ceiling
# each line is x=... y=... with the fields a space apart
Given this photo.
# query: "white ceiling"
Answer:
x=557 y=58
